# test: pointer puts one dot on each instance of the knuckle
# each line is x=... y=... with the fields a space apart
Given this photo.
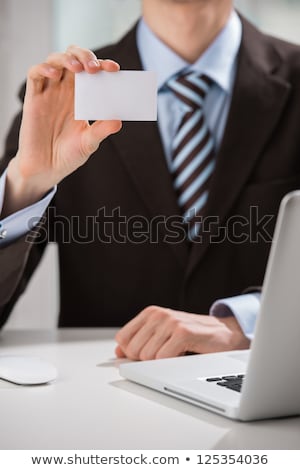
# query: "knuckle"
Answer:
x=132 y=353
x=161 y=355
x=68 y=76
x=157 y=313
x=74 y=49
x=158 y=316
x=180 y=331
x=150 y=308
x=36 y=72
x=148 y=311
x=72 y=46
x=119 y=337
x=89 y=53
x=32 y=70
x=122 y=338
x=146 y=355
x=171 y=323
x=52 y=56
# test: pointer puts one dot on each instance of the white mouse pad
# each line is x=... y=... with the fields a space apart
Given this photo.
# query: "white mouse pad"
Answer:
x=126 y=95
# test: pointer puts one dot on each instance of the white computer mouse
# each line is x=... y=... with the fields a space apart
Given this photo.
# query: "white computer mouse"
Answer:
x=26 y=370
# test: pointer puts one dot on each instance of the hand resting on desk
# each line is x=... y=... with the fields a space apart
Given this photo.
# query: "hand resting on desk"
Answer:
x=158 y=333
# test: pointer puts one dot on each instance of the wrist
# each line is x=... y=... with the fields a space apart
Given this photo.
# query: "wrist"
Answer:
x=21 y=190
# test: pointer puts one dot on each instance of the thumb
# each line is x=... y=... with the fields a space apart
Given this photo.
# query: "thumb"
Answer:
x=97 y=132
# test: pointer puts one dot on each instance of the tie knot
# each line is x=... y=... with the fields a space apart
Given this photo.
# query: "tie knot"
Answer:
x=191 y=88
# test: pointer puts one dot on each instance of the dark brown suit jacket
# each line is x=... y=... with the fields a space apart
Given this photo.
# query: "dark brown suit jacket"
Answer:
x=106 y=284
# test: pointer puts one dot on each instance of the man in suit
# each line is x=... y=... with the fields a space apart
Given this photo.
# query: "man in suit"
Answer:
x=159 y=288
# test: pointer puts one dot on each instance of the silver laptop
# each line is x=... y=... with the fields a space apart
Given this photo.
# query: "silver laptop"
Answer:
x=247 y=385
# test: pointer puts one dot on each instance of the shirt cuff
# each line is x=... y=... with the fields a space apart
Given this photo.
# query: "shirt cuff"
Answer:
x=18 y=224
x=245 y=308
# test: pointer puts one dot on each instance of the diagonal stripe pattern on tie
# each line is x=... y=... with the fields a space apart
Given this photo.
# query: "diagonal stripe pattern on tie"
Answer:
x=193 y=155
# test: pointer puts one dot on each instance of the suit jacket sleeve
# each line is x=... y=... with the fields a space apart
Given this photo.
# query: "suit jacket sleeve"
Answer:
x=252 y=289
x=19 y=259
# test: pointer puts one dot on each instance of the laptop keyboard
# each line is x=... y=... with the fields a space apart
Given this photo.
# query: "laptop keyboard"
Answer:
x=233 y=382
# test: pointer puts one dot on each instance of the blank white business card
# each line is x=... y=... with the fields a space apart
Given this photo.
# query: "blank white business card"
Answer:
x=126 y=95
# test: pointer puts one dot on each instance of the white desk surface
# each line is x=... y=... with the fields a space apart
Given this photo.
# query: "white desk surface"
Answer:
x=90 y=406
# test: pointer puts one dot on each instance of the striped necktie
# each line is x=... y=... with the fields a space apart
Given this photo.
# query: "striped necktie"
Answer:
x=193 y=155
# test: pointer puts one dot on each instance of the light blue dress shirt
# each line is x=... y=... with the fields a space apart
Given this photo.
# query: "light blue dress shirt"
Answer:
x=19 y=223
x=218 y=62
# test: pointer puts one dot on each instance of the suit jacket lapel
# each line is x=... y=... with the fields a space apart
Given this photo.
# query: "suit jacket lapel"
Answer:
x=258 y=100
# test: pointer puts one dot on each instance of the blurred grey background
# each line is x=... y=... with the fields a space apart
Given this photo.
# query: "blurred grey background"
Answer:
x=29 y=31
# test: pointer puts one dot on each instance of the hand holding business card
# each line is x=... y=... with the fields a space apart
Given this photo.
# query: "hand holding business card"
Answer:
x=125 y=95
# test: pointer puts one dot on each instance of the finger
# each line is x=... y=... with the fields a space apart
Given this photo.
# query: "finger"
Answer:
x=170 y=349
x=63 y=60
x=139 y=341
x=71 y=64
x=96 y=133
x=74 y=63
x=90 y=61
x=125 y=334
x=155 y=343
x=38 y=75
x=109 y=65
x=119 y=353
x=86 y=57
x=144 y=335
x=186 y=338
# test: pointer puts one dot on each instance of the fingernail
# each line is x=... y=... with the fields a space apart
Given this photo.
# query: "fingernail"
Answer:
x=75 y=62
x=93 y=63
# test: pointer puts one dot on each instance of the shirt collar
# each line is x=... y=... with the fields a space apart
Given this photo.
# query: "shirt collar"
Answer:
x=217 y=62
